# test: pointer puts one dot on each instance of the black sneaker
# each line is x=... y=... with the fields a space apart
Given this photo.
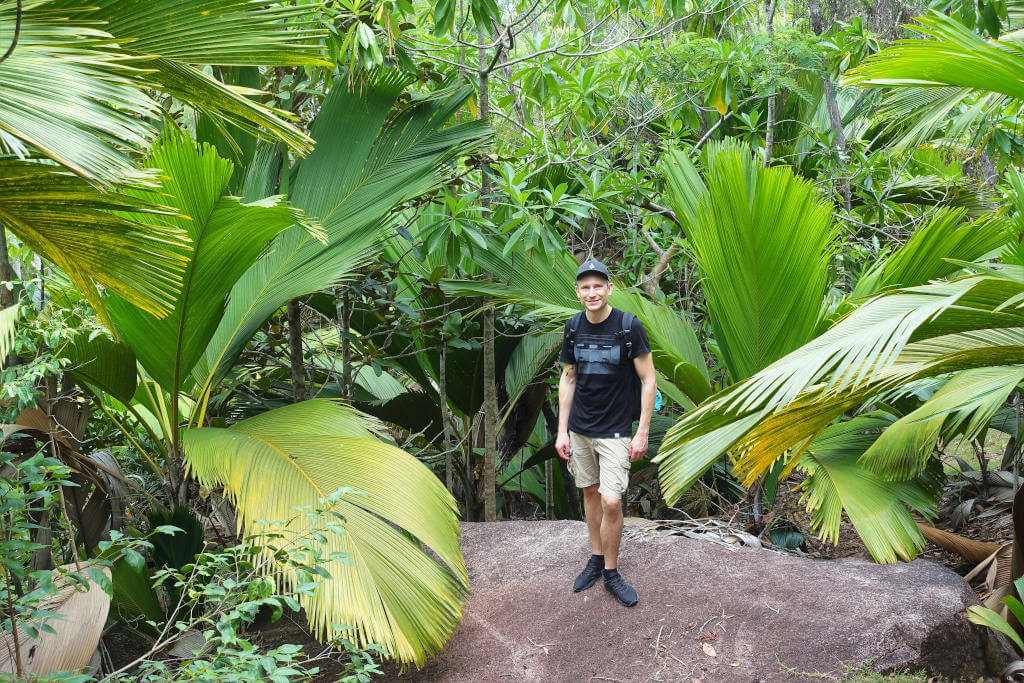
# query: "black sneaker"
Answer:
x=589 y=575
x=618 y=587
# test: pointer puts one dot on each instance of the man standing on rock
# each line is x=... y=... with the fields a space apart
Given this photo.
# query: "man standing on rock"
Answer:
x=607 y=382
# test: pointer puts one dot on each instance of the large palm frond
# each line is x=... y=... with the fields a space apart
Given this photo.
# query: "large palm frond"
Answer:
x=956 y=56
x=762 y=239
x=965 y=404
x=115 y=239
x=75 y=87
x=363 y=167
x=877 y=508
x=226 y=238
x=382 y=582
x=892 y=340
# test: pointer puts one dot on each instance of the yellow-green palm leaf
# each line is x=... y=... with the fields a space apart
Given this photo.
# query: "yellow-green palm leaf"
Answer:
x=111 y=239
x=388 y=588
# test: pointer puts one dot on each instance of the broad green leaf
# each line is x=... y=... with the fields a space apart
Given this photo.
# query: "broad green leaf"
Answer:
x=227 y=237
x=388 y=588
x=983 y=616
x=362 y=169
x=103 y=363
x=970 y=398
x=933 y=252
x=955 y=56
x=8 y=317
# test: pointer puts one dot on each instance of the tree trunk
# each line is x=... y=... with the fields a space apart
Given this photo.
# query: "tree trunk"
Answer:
x=490 y=390
x=6 y=295
x=769 y=136
x=814 y=6
x=295 y=352
x=442 y=387
x=344 y=321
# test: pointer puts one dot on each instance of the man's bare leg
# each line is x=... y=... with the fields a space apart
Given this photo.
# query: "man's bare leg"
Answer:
x=592 y=505
x=611 y=529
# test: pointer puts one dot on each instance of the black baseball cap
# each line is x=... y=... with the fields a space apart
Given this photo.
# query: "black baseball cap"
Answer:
x=592 y=266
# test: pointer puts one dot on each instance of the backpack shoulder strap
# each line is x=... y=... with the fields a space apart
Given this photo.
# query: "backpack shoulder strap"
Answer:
x=627 y=331
x=574 y=325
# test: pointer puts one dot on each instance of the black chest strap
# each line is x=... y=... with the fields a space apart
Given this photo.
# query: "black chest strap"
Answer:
x=625 y=334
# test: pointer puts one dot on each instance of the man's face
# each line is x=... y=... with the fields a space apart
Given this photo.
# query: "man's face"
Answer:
x=593 y=291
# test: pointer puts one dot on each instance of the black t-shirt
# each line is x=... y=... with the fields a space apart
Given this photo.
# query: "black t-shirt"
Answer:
x=606 y=400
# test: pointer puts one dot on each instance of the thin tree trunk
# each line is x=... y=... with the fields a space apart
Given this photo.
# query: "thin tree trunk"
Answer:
x=814 y=6
x=490 y=389
x=442 y=385
x=6 y=295
x=769 y=136
x=295 y=352
x=344 y=322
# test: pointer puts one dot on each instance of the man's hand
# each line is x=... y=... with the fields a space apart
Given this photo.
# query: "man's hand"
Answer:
x=562 y=445
x=637 y=446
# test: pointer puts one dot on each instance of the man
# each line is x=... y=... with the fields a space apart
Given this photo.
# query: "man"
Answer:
x=607 y=382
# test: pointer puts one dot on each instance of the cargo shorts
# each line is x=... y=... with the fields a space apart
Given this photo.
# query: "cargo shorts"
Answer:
x=600 y=461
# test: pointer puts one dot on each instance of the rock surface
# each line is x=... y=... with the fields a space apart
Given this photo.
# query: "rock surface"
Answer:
x=706 y=612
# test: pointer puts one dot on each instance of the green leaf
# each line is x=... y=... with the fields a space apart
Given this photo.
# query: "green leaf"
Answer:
x=362 y=169
x=103 y=363
x=114 y=239
x=933 y=252
x=983 y=616
x=392 y=591
x=955 y=56
x=8 y=317
x=970 y=398
x=835 y=484
x=754 y=232
x=227 y=237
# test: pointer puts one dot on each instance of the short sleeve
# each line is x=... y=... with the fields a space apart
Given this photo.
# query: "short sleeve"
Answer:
x=566 y=356
x=641 y=344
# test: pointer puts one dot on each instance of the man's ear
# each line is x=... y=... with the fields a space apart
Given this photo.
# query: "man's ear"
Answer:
x=610 y=286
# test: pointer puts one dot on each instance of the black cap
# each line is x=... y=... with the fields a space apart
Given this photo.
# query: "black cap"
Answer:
x=593 y=266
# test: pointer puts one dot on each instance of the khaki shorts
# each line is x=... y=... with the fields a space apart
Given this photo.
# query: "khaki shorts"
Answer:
x=600 y=461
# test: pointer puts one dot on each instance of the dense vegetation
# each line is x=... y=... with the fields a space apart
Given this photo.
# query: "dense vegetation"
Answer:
x=282 y=286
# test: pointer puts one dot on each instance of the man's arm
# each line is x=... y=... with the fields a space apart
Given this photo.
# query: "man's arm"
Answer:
x=644 y=364
x=566 y=389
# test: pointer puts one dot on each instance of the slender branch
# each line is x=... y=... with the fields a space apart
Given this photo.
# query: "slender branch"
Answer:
x=17 y=32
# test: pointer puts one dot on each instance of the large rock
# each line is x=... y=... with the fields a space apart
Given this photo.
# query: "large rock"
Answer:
x=706 y=611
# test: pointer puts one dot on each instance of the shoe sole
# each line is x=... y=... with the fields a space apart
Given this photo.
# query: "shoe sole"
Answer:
x=580 y=590
x=621 y=601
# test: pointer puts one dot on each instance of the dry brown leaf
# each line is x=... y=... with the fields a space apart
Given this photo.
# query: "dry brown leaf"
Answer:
x=708 y=650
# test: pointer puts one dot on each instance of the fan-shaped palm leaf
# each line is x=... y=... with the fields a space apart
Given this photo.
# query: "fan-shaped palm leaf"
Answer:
x=384 y=584
x=967 y=402
x=227 y=237
x=75 y=89
x=95 y=237
x=363 y=167
x=892 y=340
x=762 y=239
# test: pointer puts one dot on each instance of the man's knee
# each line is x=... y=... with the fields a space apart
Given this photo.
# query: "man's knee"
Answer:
x=611 y=506
x=591 y=490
